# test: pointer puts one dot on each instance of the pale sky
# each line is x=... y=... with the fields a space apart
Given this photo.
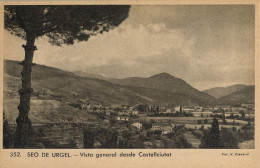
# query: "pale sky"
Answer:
x=205 y=45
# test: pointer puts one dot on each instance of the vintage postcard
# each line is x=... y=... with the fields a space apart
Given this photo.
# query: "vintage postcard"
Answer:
x=129 y=84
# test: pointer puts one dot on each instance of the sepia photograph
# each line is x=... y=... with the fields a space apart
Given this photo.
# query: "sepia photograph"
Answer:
x=129 y=76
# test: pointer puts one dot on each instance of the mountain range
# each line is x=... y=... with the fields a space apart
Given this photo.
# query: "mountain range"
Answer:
x=244 y=95
x=167 y=83
x=219 y=92
x=73 y=87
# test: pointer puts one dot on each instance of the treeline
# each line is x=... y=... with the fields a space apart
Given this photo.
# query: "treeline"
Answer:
x=110 y=138
x=225 y=138
x=8 y=135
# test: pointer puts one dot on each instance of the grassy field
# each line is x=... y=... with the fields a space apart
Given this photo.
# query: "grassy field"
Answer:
x=194 y=120
x=180 y=120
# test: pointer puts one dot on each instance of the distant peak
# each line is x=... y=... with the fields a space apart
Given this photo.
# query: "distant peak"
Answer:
x=162 y=75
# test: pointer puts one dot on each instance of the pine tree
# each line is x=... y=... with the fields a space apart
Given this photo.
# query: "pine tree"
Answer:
x=211 y=139
x=61 y=24
x=214 y=135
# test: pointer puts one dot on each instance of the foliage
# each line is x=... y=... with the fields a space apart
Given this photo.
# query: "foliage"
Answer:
x=181 y=142
x=142 y=108
x=126 y=134
x=142 y=138
x=7 y=134
x=63 y=24
x=211 y=139
x=228 y=140
x=111 y=139
x=100 y=115
x=247 y=132
x=202 y=127
x=243 y=115
x=135 y=144
x=88 y=139
x=158 y=132
x=112 y=121
x=150 y=134
x=179 y=129
x=147 y=125
x=122 y=144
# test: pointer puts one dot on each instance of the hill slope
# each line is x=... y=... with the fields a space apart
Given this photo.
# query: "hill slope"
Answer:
x=89 y=75
x=218 y=92
x=246 y=95
x=55 y=84
x=61 y=85
x=167 y=83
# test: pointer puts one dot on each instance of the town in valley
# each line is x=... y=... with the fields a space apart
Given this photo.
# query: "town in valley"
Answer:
x=129 y=77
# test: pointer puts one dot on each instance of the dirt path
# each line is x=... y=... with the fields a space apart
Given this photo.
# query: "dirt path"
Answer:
x=195 y=142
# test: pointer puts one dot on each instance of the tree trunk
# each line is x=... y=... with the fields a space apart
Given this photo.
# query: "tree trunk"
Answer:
x=23 y=122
